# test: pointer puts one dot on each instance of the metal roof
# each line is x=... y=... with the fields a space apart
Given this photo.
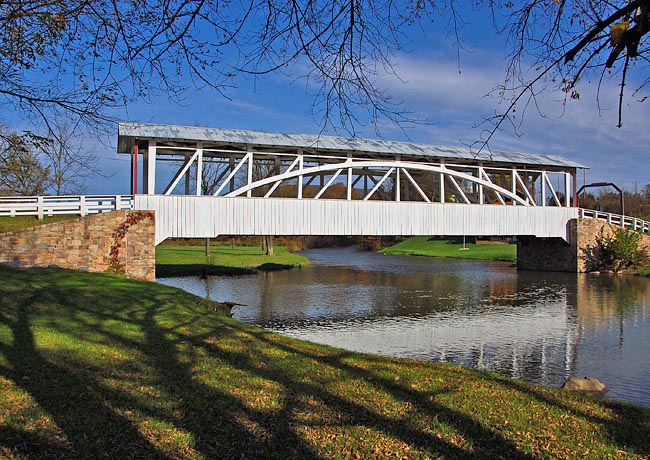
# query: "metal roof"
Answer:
x=128 y=132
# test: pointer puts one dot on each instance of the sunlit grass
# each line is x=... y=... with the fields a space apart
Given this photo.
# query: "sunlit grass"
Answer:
x=425 y=246
x=223 y=259
x=97 y=366
x=14 y=224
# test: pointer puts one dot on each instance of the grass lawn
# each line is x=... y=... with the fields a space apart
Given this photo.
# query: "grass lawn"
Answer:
x=191 y=260
x=13 y=224
x=97 y=366
x=423 y=246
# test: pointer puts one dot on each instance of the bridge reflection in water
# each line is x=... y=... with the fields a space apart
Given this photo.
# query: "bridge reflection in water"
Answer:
x=540 y=327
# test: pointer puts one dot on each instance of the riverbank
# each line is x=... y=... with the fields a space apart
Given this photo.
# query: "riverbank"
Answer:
x=223 y=260
x=425 y=246
x=96 y=366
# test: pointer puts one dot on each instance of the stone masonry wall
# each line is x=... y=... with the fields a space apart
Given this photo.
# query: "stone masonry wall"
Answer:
x=118 y=241
x=555 y=254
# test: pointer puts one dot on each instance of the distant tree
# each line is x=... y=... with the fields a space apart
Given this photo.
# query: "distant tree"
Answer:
x=21 y=172
x=70 y=164
x=645 y=191
x=212 y=172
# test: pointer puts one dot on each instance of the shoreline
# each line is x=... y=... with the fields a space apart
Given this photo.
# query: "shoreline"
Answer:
x=224 y=260
x=108 y=366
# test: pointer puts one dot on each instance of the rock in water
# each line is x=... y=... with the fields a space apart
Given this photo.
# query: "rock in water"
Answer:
x=584 y=384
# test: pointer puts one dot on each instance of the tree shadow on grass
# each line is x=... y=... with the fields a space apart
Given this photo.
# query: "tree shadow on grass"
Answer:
x=628 y=427
x=74 y=403
x=484 y=442
x=234 y=391
x=96 y=419
x=90 y=414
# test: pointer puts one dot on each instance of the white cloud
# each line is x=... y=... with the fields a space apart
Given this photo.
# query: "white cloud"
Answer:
x=580 y=131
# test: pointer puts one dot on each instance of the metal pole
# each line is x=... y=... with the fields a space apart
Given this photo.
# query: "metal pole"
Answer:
x=134 y=169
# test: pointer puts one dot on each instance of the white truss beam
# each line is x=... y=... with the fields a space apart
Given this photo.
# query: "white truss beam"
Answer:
x=550 y=186
x=358 y=165
x=177 y=178
x=531 y=200
x=247 y=157
x=487 y=178
x=289 y=169
x=459 y=190
x=327 y=185
x=301 y=162
x=378 y=184
x=415 y=184
x=199 y=169
x=249 y=178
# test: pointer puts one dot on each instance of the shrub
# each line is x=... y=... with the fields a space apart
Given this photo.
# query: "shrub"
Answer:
x=621 y=250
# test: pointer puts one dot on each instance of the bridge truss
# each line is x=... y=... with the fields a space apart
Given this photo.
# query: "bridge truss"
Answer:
x=247 y=164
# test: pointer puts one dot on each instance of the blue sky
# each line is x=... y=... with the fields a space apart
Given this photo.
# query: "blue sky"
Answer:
x=434 y=87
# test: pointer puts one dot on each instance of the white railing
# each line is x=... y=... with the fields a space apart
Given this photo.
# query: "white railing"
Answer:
x=12 y=206
x=616 y=219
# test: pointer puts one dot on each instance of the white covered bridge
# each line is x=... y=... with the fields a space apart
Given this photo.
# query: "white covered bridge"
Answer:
x=204 y=182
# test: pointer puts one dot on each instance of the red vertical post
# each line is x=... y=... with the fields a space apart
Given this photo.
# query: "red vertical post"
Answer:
x=134 y=169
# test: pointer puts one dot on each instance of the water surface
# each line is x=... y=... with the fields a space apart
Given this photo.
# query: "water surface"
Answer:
x=537 y=326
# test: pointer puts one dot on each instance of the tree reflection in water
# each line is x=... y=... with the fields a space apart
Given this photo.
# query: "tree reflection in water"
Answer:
x=538 y=326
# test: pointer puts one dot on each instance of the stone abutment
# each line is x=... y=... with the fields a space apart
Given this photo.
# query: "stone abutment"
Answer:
x=119 y=241
x=580 y=255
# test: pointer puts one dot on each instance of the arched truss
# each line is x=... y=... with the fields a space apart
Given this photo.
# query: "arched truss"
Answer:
x=392 y=168
x=313 y=177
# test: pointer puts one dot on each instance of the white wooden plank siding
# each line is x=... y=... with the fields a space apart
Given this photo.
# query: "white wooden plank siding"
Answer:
x=205 y=216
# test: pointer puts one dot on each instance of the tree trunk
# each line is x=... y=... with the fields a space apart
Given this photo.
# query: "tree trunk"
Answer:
x=207 y=247
x=268 y=245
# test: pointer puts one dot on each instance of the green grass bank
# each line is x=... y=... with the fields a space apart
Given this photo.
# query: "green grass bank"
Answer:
x=223 y=260
x=97 y=366
x=14 y=224
x=424 y=246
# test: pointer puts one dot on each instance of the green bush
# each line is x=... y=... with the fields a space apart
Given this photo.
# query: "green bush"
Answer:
x=621 y=250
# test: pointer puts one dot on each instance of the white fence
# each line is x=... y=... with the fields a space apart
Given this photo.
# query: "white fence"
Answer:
x=616 y=219
x=59 y=205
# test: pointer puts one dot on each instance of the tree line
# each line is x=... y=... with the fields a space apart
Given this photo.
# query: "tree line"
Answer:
x=31 y=164
x=636 y=201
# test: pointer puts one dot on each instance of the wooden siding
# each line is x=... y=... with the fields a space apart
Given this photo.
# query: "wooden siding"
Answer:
x=205 y=216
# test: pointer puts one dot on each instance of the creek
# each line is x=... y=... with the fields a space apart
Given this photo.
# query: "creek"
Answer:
x=540 y=327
